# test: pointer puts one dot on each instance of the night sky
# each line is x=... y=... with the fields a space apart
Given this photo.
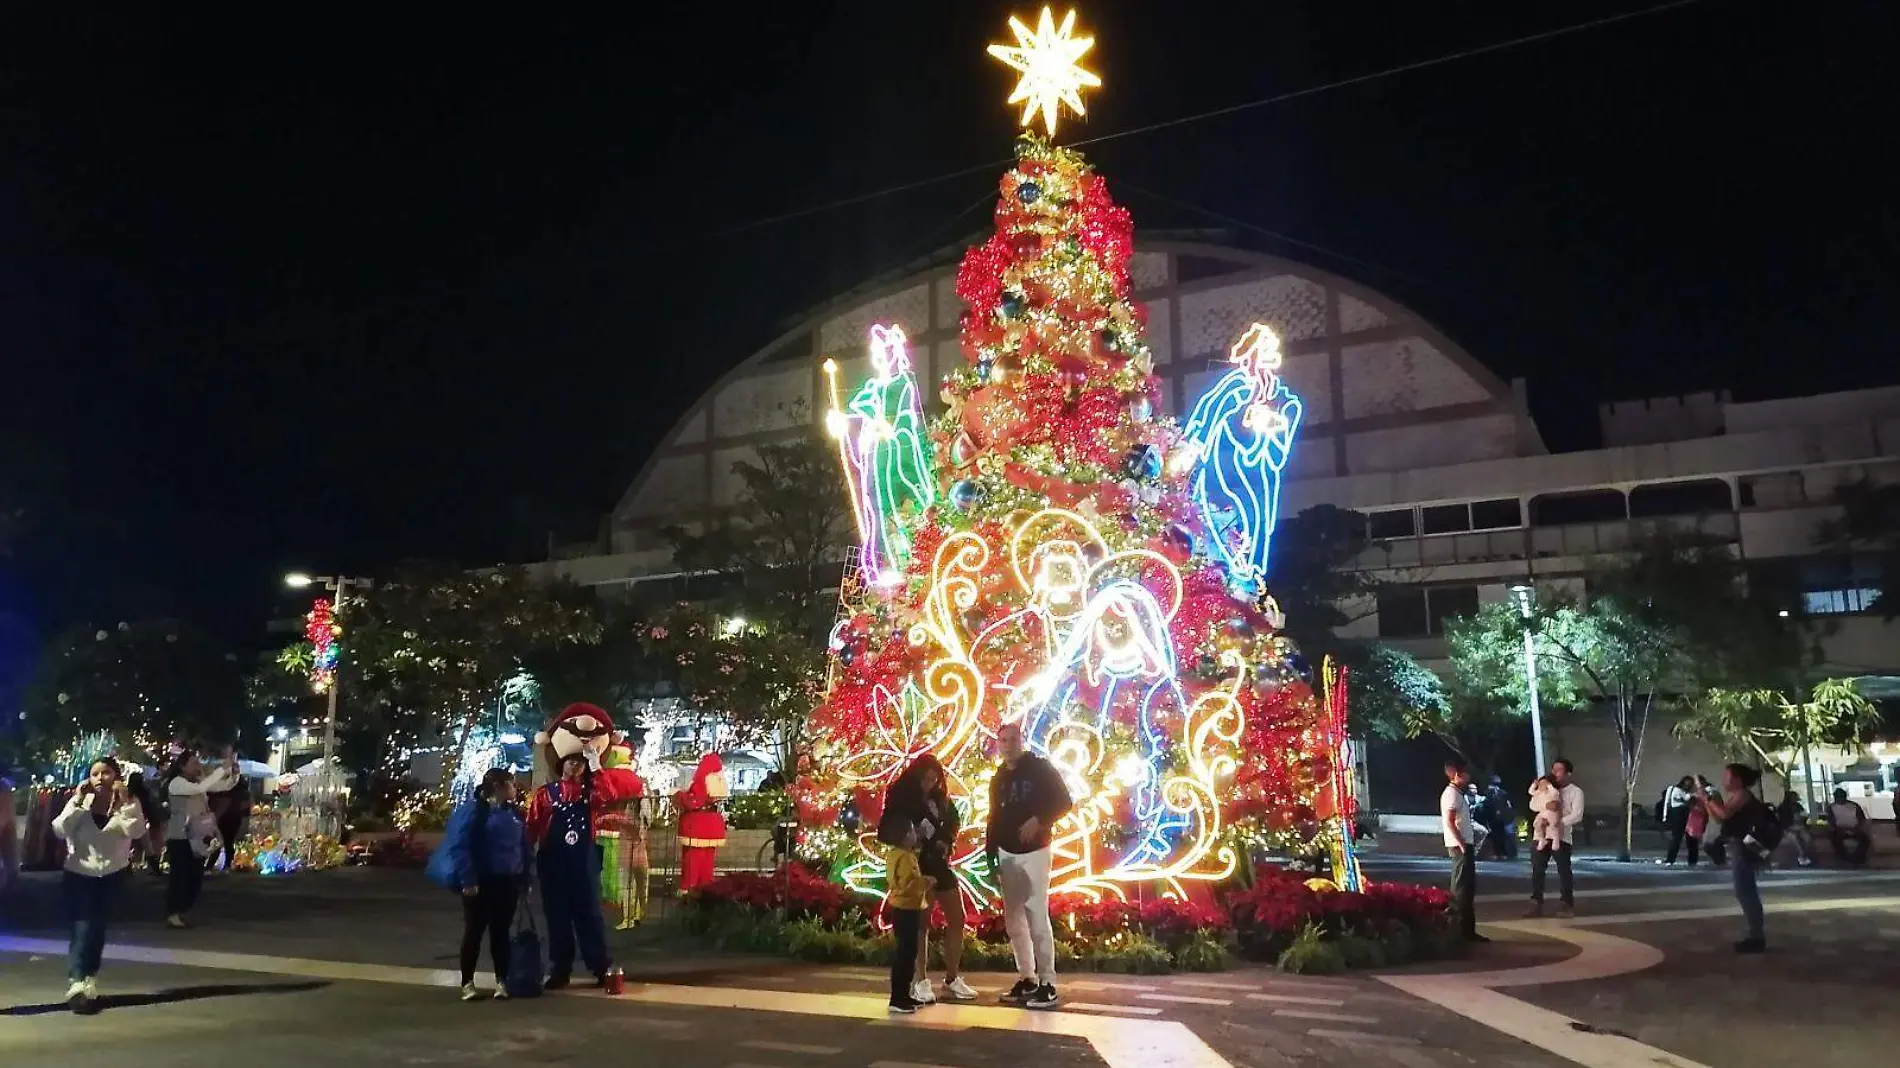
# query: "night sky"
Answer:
x=369 y=286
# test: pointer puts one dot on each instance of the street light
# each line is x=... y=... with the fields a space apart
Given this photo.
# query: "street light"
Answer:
x=733 y=626
x=338 y=585
x=1526 y=598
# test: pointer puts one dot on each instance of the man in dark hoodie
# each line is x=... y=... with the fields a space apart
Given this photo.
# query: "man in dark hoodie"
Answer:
x=1027 y=798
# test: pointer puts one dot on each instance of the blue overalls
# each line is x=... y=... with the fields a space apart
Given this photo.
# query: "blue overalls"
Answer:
x=569 y=866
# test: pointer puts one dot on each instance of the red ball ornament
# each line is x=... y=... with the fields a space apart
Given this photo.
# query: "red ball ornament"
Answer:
x=1026 y=244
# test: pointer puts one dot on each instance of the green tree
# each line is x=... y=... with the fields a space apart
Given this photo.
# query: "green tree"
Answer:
x=783 y=540
x=1488 y=693
x=1770 y=728
x=151 y=679
x=758 y=680
x=424 y=654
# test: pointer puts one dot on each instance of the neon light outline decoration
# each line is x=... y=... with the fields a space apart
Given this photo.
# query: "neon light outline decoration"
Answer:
x=1099 y=628
x=1242 y=429
x=1344 y=784
x=885 y=449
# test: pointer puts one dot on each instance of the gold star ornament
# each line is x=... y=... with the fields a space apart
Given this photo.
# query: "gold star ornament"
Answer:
x=1047 y=58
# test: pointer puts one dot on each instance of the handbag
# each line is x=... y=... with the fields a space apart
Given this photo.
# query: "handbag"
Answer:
x=526 y=966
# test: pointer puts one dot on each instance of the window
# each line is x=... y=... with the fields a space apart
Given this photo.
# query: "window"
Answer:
x=1449 y=602
x=1700 y=497
x=1496 y=515
x=1782 y=489
x=1839 y=602
x=1445 y=518
x=1393 y=523
x=1589 y=506
x=1420 y=612
x=1402 y=613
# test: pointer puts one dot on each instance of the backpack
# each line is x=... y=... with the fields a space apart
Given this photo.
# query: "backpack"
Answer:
x=1757 y=827
x=1660 y=802
x=526 y=966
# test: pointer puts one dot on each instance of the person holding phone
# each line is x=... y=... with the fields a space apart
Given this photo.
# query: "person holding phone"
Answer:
x=99 y=824
x=193 y=830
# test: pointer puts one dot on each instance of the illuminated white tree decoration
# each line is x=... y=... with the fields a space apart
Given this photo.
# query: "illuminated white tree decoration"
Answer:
x=1047 y=59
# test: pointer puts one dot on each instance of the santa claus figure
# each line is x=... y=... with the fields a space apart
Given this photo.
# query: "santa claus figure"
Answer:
x=563 y=819
x=702 y=826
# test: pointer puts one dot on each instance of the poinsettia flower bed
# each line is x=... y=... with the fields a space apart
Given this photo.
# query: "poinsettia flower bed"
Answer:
x=1280 y=917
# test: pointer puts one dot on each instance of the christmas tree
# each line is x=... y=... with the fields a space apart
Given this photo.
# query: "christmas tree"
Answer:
x=1053 y=551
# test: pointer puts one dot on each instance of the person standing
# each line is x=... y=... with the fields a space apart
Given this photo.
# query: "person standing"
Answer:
x=1501 y=817
x=1027 y=798
x=903 y=830
x=1677 y=803
x=191 y=830
x=1739 y=810
x=99 y=824
x=1847 y=827
x=561 y=824
x=1454 y=817
x=1571 y=813
x=484 y=857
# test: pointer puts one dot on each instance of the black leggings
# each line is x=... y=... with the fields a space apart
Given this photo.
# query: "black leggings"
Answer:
x=186 y=878
x=907 y=925
x=492 y=910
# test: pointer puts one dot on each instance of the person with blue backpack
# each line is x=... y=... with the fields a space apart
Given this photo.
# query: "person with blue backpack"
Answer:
x=484 y=857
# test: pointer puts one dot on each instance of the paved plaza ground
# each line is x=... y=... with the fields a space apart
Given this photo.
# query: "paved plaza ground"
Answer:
x=351 y=968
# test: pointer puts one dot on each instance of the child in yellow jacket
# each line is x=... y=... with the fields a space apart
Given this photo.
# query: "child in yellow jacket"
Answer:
x=906 y=901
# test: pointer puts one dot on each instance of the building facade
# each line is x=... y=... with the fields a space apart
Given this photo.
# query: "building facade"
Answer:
x=1463 y=500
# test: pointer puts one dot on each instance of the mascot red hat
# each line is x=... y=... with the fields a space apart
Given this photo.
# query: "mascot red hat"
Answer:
x=702 y=827
x=577 y=725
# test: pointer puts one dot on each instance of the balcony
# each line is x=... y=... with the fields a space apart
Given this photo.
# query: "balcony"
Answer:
x=1539 y=543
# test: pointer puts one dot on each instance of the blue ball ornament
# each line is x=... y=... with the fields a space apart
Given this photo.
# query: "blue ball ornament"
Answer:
x=965 y=494
x=1143 y=462
x=1141 y=409
x=1029 y=192
x=985 y=369
x=1013 y=305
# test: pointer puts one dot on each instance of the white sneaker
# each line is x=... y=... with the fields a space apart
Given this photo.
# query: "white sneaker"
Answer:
x=920 y=992
x=76 y=990
x=469 y=993
x=92 y=988
x=958 y=990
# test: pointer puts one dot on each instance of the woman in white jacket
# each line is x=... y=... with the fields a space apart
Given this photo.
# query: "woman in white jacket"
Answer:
x=99 y=824
x=191 y=830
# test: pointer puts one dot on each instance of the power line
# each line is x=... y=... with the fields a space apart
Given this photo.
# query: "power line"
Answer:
x=1279 y=98
x=1423 y=64
x=1278 y=236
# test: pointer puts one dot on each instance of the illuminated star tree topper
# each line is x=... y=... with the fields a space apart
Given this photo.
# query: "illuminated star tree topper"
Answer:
x=1048 y=60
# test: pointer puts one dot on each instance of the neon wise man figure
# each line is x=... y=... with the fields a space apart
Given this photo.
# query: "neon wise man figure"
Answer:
x=1050 y=550
x=1243 y=427
x=886 y=455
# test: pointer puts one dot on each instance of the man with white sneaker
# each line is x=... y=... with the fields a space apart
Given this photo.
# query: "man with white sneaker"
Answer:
x=1027 y=798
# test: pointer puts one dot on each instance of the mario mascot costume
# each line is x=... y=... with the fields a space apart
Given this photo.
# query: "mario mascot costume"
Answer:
x=702 y=828
x=623 y=846
x=562 y=820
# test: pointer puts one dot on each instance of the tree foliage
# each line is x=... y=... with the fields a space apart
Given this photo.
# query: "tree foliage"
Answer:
x=424 y=653
x=159 y=679
x=1770 y=728
x=758 y=679
x=782 y=538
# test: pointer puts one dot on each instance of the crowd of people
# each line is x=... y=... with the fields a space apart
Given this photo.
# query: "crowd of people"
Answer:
x=1727 y=822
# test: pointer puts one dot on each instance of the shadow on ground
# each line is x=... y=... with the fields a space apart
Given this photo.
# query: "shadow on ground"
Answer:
x=171 y=996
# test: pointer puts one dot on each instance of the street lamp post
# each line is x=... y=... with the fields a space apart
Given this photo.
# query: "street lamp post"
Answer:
x=1526 y=598
x=338 y=586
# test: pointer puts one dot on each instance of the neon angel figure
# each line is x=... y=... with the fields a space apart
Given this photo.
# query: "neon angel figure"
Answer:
x=886 y=454
x=1243 y=428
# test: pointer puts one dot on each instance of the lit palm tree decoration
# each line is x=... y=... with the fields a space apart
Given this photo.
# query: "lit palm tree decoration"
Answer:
x=1047 y=60
x=886 y=453
x=1243 y=429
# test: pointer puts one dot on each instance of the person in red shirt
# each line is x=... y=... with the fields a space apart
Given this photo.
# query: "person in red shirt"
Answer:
x=562 y=820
